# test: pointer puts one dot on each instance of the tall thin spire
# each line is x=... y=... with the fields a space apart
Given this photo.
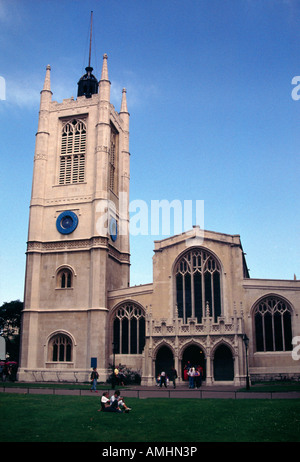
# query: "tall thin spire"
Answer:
x=124 y=102
x=90 y=39
x=46 y=86
x=104 y=73
x=46 y=93
x=104 y=83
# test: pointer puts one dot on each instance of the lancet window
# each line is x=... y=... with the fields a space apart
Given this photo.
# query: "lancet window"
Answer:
x=60 y=348
x=129 y=329
x=273 y=325
x=113 y=160
x=198 y=285
x=64 y=279
x=72 y=153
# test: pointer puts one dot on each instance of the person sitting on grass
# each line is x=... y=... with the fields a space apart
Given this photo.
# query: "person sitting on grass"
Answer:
x=106 y=406
x=118 y=402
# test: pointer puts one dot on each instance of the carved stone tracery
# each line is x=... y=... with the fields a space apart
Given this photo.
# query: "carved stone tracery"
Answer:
x=208 y=336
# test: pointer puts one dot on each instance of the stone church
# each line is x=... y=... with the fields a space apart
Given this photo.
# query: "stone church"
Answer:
x=79 y=308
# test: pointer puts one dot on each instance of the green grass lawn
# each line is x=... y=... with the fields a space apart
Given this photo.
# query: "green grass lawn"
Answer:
x=48 y=418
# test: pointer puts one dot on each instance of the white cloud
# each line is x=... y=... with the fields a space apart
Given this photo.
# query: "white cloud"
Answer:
x=12 y=12
x=3 y=11
x=23 y=92
x=137 y=93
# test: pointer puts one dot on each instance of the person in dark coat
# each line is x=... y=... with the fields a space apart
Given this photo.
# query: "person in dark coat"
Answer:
x=173 y=376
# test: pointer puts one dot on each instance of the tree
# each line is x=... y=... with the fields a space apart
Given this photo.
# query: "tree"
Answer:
x=10 y=325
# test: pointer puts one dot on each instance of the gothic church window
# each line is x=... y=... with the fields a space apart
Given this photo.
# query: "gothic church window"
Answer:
x=60 y=348
x=72 y=154
x=64 y=278
x=198 y=285
x=273 y=324
x=129 y=329
x=113 y=160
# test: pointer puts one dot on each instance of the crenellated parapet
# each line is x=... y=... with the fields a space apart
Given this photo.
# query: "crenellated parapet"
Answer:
x=176 y=326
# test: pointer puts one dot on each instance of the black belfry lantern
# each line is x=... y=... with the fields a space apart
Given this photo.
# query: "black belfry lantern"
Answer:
x=88 y=84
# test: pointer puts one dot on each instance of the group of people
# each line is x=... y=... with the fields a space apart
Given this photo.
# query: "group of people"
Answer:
x=194 y=375
x=164 y=379
x=118 y=377
x=8 y=371
x=115 y=403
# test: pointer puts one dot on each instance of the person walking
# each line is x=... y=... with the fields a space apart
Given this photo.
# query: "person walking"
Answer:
x=173 y=376
x=94 y=378
x=199 y=374
x=163 y=379
x=197 y=378
x=191 y=374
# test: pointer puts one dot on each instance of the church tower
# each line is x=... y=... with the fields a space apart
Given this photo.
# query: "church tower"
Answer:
x=78 y=239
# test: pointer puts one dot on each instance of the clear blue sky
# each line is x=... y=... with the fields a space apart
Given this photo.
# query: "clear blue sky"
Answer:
x=212 y=117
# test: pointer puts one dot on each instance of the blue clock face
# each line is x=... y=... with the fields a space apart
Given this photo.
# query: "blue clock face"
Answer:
x=113 y=229
x=66 y=222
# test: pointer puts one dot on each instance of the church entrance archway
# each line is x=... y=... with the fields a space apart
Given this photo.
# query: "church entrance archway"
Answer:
x=193 y=356
x=164 y=360
x=223 y=364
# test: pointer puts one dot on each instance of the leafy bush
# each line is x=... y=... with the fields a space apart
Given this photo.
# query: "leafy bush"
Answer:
x=126 y=376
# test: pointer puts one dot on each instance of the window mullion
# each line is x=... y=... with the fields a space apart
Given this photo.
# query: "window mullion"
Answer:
x=273 y=331
x=282 y=329
x=129 y=335
x=203 y=292
x=184 y=306
x=263 y=330
x=192 y=293
x=138 y=335
x=212 y=296
x=121 y=336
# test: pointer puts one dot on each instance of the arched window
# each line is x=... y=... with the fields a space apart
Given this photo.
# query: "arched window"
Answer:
x=60 y=348
x=72 y=154
x=113 y=159
x=129 y=329
x=64 y=279
x=273 y=325
x=198 y=285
